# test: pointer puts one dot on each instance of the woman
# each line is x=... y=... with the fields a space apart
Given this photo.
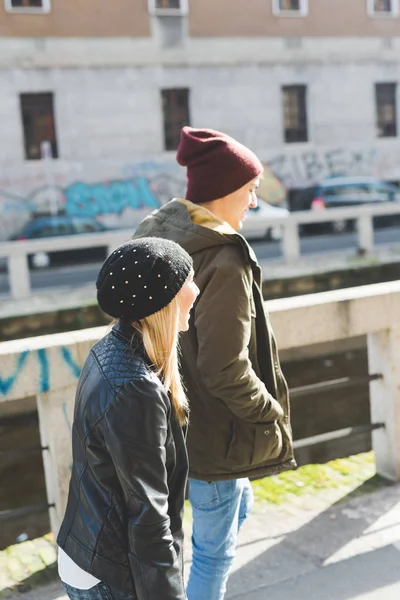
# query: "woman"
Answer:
x=121 y=537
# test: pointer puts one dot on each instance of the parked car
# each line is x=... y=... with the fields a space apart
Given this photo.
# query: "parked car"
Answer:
x=43 y=227
x=257 y=223
x=334 y=192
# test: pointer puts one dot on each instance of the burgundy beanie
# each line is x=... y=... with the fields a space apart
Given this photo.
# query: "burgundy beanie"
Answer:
x=217 y=165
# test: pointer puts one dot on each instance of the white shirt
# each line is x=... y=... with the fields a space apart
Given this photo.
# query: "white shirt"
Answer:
x=73 y=575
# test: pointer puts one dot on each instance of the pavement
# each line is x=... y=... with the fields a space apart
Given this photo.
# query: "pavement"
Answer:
x=320 y=547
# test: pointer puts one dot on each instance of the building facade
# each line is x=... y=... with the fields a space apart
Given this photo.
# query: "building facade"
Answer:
x=94 y=93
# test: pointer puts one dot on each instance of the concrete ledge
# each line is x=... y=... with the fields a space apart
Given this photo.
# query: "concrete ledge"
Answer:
x=335 y=315
x=327 y=263
x=277 y=278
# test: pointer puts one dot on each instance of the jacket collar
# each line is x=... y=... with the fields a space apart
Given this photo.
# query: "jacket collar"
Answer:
x=125 y=331
x=200 y=215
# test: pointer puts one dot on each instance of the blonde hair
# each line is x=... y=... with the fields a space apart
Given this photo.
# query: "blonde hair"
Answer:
x=160 y=333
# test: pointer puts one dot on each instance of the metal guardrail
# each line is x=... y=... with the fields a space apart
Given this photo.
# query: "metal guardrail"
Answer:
x=332 y=384
x=17 y=252
x=336 y=435
x=302 y=443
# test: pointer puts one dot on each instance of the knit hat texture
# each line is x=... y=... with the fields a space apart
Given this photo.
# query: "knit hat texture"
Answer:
x=217 y=165
x=141 y=277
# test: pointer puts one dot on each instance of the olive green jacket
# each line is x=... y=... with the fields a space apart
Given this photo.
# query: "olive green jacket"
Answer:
x=239 y=406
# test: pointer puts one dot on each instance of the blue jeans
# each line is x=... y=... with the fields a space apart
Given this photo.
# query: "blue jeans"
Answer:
x=219 y=510
x=101 y=591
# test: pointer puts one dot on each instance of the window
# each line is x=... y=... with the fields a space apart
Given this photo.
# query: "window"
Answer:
x=176 y=115
x=386 y=109
x=38 y=124
x=168 y=7
x=290 y=8
x=383 y=8
x=28 y=6
x=294 y=113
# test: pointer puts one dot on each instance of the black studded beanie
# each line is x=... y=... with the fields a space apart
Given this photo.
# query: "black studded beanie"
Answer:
x=141 y=277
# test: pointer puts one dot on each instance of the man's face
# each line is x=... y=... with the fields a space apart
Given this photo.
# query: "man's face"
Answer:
x=237 y=204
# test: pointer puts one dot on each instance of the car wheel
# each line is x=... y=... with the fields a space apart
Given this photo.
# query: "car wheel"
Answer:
x=40 y=260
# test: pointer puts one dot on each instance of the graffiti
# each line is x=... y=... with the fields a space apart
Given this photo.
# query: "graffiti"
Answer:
x=64 y=408
x=44 y=370
x=90 y=200
x=306 y=167
x=67 y=356
x=115 y=202
x=126 y=193
x=66 y=417
x=8 y=383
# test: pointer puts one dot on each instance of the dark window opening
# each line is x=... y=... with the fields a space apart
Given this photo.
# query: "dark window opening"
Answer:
x=386 y=108
x=289 y=5
x=383 y=6
x=160 y=4
x=176 y=115
x=27 y=4
x=294 y=113
x=38 y=124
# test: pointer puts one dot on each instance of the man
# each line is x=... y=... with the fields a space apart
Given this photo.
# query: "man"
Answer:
x=239 y=419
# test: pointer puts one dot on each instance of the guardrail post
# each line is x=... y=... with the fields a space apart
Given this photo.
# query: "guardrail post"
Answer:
x=365 y=232
x=55 y=409
x=291 y=240
x=383 y=357
x=18 y=276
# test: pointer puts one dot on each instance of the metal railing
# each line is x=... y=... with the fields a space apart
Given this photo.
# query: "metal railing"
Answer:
x=17 y=253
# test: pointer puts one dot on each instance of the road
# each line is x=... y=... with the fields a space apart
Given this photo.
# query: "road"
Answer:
x=81 y=274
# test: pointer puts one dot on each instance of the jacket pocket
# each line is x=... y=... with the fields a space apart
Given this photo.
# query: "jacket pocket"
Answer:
x=254 y=443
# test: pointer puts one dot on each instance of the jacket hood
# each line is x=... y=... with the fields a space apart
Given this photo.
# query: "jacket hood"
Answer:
x=192 y=226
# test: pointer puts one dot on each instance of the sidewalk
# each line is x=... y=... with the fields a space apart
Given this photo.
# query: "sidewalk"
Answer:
x=321 y=547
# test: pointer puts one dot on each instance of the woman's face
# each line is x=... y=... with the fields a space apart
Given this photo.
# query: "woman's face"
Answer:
x=186 y=298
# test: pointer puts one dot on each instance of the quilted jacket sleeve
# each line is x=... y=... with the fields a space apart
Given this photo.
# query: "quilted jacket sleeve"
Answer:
x=135 y=435
x=223 y=323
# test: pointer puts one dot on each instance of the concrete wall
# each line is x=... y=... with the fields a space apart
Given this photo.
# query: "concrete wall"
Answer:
x=110 y=130
x=48 y=367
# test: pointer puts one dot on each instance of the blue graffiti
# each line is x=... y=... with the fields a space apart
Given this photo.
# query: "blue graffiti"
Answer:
x=44 y=370
x=90 y=200
x=8 y=383
x=67 y=421
x=67 y=356
x=66 y=418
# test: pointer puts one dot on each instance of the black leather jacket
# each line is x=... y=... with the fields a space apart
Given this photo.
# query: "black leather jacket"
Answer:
x=123 y=521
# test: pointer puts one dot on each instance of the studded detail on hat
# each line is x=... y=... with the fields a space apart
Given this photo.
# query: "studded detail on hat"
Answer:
x=161 y=265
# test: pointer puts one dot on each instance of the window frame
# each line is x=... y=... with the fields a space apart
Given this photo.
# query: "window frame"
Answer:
x=378 y=106
x=302 y=12
x=25 y=138
x=46 y=8
x=383 y=15
x=163 y=94
x=168 y=12
x=305 y=129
